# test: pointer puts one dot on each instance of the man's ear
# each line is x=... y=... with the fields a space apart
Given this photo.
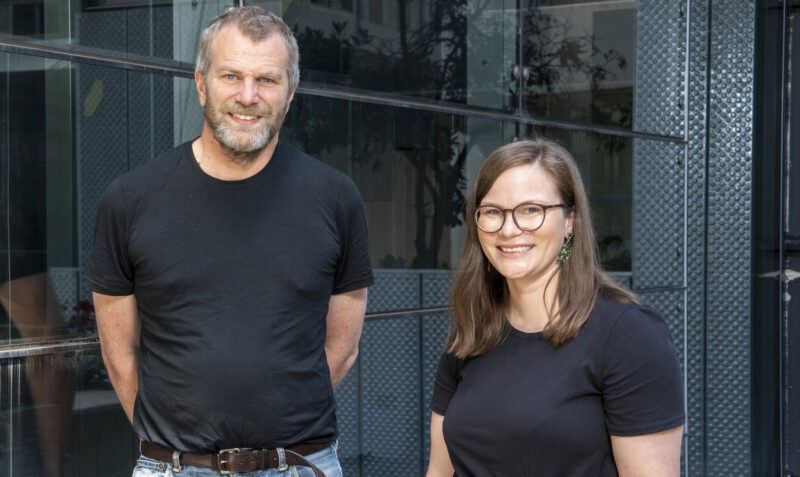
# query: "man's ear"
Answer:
x=291 y=95
x=200 y=82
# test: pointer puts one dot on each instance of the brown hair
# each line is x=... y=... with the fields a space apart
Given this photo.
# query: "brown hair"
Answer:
x=480 y=293
x=256 y=24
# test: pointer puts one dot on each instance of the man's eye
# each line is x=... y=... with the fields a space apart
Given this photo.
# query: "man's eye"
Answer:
x=230 y=76
x=266 y=80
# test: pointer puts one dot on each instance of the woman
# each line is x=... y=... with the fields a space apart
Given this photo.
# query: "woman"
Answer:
x=550 y=369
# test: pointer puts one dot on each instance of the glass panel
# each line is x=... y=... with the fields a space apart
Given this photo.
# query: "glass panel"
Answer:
x=60 y=417
x=159 y=30
x=75 y=127
x=618 y=63
x=606 y=164
x=454 y=51
x=579 y=60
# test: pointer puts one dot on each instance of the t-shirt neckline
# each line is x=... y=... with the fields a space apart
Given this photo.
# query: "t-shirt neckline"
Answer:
x=188 y=154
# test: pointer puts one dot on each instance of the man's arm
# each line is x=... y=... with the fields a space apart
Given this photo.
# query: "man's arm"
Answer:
x=118 y=329
x=344 y=322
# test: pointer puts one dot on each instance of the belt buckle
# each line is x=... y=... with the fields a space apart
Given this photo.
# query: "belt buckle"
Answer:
x=224 y=452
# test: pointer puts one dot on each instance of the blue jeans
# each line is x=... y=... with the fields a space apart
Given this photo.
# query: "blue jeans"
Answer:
x=326 y=460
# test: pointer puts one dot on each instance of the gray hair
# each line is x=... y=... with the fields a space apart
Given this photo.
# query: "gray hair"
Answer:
x=256 y=24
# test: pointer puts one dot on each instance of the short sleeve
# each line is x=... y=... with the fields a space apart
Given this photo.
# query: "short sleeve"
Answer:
x=448 y=375
x=642 y=384
x=353 y=270
x=110 y=271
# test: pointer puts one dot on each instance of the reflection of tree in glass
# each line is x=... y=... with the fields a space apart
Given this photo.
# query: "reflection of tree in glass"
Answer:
x=566 y=71
x=429 y=60
x=438 y=192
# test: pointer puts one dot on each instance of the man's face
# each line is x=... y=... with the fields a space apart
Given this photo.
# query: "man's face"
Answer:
x=245 y=92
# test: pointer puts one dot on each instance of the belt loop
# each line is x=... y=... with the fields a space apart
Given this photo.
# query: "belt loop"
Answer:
x=281 y=459
x=176 y=461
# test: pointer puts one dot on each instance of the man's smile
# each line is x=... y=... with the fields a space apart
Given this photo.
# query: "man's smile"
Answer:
x=244 y=117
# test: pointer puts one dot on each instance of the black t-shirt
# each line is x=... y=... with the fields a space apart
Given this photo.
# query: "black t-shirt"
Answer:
x=528 y=409
x=232 y=280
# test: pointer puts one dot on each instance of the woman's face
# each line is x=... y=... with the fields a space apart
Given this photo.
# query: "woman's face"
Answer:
x=525 y=257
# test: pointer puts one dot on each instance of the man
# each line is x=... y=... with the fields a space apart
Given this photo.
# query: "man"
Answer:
x=230 y=274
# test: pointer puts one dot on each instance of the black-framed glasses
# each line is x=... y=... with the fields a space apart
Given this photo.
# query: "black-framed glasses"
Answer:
x=528 y=216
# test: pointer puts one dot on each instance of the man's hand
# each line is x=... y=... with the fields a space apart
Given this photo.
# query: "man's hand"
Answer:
x=344 y=322
x=118 y=329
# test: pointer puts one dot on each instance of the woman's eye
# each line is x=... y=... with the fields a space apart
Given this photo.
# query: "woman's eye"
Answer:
x=491 y=212
x=531 y=210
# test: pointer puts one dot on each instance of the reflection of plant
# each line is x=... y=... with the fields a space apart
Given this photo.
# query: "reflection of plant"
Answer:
x=82 y=322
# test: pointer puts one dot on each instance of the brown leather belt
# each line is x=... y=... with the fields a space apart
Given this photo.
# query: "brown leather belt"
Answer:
x=234 y=461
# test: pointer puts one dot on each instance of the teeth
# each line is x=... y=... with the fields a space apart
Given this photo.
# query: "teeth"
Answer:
x=516 y=249
x=243 y=116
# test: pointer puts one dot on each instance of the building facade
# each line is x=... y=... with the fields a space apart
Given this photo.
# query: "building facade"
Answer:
x=678 y=112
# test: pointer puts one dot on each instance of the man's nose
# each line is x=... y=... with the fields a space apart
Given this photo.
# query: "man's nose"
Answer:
x=248 y=92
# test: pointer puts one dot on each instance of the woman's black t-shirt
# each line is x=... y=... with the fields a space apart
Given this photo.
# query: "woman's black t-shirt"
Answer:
x=526 y=408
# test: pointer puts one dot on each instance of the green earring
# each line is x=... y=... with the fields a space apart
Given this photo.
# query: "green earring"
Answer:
x=566 y=249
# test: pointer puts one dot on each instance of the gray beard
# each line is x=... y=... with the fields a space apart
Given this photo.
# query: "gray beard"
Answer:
x=227 y=138
x=244 y=149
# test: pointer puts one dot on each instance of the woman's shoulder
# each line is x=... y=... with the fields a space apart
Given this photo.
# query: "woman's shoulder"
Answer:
x=632 y=320
x=631 y=328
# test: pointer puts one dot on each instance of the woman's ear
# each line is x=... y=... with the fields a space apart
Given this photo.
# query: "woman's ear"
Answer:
x=569 y=223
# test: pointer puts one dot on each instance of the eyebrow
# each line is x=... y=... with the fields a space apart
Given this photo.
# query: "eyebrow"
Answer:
x=269 y=71
x=527 y=201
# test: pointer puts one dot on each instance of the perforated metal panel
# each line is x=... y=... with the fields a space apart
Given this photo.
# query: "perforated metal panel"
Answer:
x=698 y=77
x=658 y=214
x=391 y=396
x=436 y=285
x=729 y=232
x=660 y=67
x=394 y=290
x=434 y=332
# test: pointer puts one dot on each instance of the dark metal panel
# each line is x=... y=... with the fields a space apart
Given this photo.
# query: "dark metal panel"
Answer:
x=436 y=285
x=390 y=395
x=696 y=224
x=660 y=66
x=434 y=332
x=658 y=214
x=394 y=289
x=729 y=233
